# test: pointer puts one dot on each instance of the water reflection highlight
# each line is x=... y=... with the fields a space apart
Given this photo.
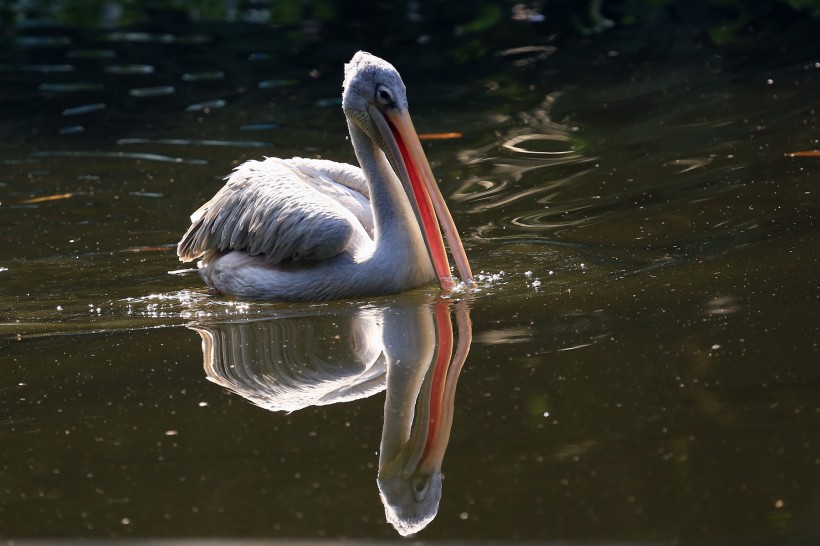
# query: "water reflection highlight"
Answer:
x=300 y=359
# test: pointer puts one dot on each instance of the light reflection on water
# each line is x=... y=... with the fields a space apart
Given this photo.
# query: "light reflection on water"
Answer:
x=295 y=361
x=643 y=364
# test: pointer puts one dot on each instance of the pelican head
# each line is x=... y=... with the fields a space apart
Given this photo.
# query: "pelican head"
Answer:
x=375 y=101
x=368 y=80
x=412 y=503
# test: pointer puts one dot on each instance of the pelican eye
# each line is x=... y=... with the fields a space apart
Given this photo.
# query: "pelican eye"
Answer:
x=384 y=95
x=419 y=486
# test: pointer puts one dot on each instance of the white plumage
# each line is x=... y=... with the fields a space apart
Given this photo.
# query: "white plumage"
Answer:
x=307 y=229
x=284 y=209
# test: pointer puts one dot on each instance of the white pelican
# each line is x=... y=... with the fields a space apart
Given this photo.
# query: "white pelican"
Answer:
x=306 y=229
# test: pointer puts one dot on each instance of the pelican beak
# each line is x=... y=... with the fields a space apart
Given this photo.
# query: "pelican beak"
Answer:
x=400 y=137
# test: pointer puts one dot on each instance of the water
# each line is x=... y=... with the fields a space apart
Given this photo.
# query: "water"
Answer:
x=639 y=360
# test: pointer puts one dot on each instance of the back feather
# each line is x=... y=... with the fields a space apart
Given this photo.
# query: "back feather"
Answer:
x=277 y=208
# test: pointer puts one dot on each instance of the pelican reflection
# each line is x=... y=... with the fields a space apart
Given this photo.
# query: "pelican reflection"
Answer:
x=409 y=349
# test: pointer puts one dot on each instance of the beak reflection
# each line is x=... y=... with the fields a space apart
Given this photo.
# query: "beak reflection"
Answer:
x=409 y=349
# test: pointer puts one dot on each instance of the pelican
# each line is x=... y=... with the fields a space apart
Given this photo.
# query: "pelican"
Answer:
x=308 y=229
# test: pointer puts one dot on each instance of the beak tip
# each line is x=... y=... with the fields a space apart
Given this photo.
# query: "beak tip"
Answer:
x=447 y=283
x=451 y=283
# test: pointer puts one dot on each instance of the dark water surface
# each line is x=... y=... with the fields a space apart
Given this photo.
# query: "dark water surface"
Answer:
x=640 y=361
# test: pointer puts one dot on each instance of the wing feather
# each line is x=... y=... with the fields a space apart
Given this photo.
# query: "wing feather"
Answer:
x=295 y=209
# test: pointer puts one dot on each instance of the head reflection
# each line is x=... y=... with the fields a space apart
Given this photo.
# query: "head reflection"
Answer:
x=408 y=348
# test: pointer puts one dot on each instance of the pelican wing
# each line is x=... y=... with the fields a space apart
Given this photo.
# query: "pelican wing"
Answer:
x=297 y=209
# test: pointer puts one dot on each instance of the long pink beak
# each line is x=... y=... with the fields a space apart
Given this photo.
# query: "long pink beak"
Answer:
x=430 y=204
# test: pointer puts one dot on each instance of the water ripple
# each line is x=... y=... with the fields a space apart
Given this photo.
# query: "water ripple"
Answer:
x=547 y=219
x=39 y=68
x=158 y=91
x=504 y=200
x=42 y=41
x=206 y=105
x=510 y=182
x=527 y=55
x=555 y=145
x=258 y=126
x=71 y=130
x=84 y=109
x=691 y=163
x=195 y=142
x=70 y=87
x=479 y=190
x=125 y=69
x=275 y=84
x=91 y=54
x=147 y=37
x=211 y=75
x=118 y=155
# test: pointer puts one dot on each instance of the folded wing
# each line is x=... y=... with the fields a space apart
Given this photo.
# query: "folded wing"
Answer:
x=295 y=209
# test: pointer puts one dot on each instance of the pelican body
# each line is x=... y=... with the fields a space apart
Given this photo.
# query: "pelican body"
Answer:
x=308 y=229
